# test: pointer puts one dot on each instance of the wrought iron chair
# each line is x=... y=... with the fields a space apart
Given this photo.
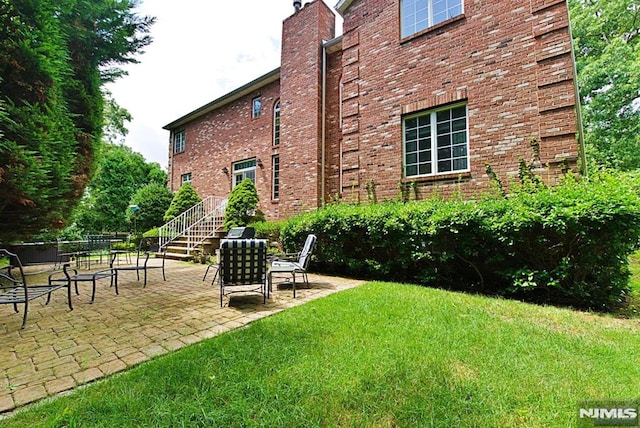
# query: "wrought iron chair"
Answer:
x=144 y=261
x=74 y=276
x=14 y=289
x=298 y=264
x=243 y=267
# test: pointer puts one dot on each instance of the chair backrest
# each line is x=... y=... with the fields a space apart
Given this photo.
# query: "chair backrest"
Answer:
x=241 y=233
x=11 y=271
x=305 y=254
x=243 y=261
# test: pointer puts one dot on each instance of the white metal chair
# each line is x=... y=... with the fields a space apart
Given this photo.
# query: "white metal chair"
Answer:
x=297 y=266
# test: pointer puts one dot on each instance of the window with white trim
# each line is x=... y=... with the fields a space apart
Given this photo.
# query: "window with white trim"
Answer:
x=436 y=142
x=256 y=106
x=418 y=15
x=276 y=124
x=179 y=141
x=185 y=178
x=244 y=169
x=275 y=194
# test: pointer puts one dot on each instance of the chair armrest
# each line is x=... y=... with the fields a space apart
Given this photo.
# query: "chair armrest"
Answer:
x=62 y=274
x=287 y=256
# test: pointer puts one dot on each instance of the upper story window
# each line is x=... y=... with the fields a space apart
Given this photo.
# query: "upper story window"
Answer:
x=436 y=142
x=179 y=141
x=256 y=105
x=275 y=194
x=244 y=169
x=185 y=178
x=418 y=15
x=276 y=124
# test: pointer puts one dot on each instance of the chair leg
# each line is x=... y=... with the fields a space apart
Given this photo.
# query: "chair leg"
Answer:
x=214 y=277
x=294 y=285
x=206 y=273
x=24 y=317
x=69 y=295
x=114 y=280
x=93 y=292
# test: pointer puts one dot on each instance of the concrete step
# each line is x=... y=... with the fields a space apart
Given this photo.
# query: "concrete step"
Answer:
x=176 y=256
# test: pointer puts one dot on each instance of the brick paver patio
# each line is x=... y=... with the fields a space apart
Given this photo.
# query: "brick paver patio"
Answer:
x=61 y=349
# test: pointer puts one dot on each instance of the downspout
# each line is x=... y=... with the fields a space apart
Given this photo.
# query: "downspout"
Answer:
x=581 y=144
x=324 y=120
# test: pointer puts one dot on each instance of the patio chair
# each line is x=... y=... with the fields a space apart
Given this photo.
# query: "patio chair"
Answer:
x=14 y=289
x=292 y=264
x=144 y=261
x=233 y=233
x=243 y=267
x=74 y=276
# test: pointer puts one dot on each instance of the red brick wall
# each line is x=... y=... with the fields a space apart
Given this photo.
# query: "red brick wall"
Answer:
x=225 y=136
x=510 y=60
x=301 y=120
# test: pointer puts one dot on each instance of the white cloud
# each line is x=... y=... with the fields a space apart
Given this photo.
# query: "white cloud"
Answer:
x=202 y=49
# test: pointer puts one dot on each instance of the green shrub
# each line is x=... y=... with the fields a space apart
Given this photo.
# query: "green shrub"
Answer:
x=566 y=245
x=153 y=201
x=242 y=206
x=185 y=198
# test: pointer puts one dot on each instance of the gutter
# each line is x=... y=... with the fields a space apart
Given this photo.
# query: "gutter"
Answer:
x=581 y=145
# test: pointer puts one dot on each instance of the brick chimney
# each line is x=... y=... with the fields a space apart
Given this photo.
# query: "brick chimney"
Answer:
x=301 y=105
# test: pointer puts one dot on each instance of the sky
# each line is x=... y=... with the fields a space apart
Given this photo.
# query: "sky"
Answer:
x=201 y=50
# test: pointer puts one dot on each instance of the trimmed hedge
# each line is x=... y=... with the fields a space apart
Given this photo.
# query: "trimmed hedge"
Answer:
x=565 y=245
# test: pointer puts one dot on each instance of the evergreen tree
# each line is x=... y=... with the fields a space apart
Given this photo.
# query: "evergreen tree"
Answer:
x=185 y=198
x=242 y=206
x=54 y=57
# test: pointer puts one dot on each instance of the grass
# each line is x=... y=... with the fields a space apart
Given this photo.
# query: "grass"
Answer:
x=380 y=355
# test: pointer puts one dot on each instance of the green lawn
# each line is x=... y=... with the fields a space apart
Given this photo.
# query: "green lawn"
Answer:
x=380 y=355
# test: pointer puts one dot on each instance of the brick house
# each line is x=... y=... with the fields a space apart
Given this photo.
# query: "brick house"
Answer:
x=414 y=91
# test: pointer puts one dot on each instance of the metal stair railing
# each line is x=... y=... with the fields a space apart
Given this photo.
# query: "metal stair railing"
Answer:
x=207 y=216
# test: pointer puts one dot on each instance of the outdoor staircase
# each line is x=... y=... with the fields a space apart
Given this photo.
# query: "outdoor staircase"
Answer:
x=197 y=229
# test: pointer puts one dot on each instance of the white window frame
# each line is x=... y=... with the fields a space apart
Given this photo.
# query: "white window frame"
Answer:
x=179 y=141
x=418 y=15
x=275 y=177
x=185 y=178
x=421 y=156
x=244 y=169
x=276 y=123
x=256 y=107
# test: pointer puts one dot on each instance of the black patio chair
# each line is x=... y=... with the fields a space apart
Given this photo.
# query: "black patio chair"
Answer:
x=144 y=261
x=233 y=233
x=14 y=289
x=243 y=267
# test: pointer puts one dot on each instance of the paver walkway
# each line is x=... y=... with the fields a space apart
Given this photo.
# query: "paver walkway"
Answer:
x=61 y=349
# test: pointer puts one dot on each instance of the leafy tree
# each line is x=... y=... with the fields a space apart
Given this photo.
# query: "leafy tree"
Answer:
x=242 y=205
x=115 y=119
x=608 y=61
x=54 y=57
x=185 y=198
x=121 y=173
x=153 y=200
